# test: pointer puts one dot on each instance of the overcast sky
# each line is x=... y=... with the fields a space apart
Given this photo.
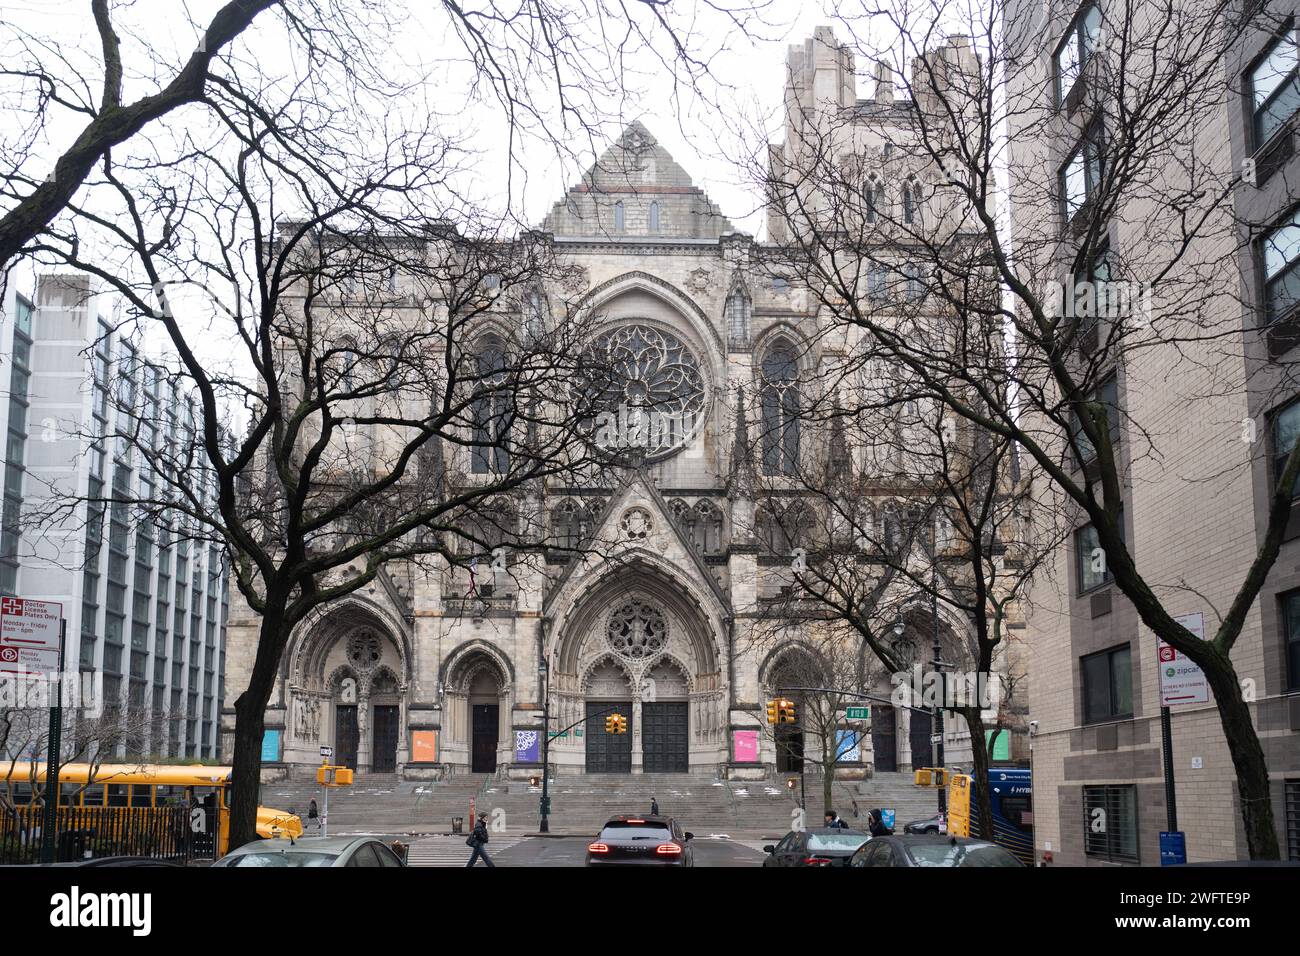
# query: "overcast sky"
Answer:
x=747 y=71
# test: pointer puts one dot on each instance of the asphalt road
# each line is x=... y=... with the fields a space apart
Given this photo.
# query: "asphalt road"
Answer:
x=572 y=851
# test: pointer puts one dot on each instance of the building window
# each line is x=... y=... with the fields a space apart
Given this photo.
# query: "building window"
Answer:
x=1090 y=557
x=16 y=445
x=780 y=409
x=490 y=410
x=873 y=195
x=912 y=282
x=618 y=216
x=1281 y=249
x=877 y=282
x=1080 y=176
x=1292 y=797
x=1291 y=621
x=1107 y=394
x=654 y=217
x=1286 y=429
x=909 y=202
x=1110 y=823
x=1275 y=86
x=1077 y=47
x=1107 y=685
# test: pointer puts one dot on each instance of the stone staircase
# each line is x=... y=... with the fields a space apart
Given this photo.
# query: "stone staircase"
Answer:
x=580 y=803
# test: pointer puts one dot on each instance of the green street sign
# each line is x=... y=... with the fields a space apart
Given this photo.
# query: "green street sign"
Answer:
x=858 y=713
x=563 y=734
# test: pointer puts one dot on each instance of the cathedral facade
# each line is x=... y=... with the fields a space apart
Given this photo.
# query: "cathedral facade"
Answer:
x=425 y=672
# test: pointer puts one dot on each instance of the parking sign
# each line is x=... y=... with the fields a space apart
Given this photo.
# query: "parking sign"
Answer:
x=29 y=636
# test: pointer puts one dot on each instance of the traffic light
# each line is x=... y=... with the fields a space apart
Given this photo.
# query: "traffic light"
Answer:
x=620 y=724
x=785 y=711
x=610 y=725
x=773 y=711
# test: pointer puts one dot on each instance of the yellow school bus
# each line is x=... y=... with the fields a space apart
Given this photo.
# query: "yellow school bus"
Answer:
x=147 y=791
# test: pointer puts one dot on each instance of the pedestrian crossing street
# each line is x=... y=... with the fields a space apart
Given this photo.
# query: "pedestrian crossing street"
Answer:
x=452 y=851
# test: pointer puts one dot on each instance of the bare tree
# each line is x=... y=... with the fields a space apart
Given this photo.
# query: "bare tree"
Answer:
x=556 y=72
x=976 y=318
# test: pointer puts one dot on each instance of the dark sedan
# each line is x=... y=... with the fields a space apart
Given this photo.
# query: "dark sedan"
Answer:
x=641 y=841
x=898 y=851
x=932 y=824
x=821 y=846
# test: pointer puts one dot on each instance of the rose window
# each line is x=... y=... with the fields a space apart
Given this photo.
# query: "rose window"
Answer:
x=644 y=390
x=363 y=649
x=637 y=630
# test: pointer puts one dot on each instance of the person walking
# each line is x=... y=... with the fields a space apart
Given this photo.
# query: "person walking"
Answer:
x=876 y=826
x=654 y=806
x=478 y=840
x=834 y=822
x=313 y=814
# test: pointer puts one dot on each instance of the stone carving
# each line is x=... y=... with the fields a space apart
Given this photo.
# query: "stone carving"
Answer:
x=307 y=718
x=636 y=524
x=700 y=281
x=637 y=630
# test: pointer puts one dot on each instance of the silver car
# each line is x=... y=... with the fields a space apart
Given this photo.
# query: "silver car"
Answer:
x=313 y=851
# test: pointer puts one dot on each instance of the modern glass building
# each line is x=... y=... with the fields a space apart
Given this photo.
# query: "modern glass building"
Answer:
x=143 y=598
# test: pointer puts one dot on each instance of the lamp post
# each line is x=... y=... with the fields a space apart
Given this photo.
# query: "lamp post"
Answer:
x=543 y=671
x=936 y=721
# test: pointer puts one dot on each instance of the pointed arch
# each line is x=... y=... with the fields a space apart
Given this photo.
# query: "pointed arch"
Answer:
x=780 y=402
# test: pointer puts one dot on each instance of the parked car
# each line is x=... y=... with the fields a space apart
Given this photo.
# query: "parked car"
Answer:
x=932 y=850
x=641 y=841
x=820 y=846
x=313 y=851
x=115 y=861
x=938 y=823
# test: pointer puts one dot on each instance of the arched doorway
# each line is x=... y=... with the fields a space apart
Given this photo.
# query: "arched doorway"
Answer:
x=476 y=705
x=794 y=666
x=345 y=687
x=485 y=721
x=385 y=703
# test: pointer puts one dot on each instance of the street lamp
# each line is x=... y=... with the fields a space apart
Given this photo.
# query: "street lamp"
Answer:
x=542 y=671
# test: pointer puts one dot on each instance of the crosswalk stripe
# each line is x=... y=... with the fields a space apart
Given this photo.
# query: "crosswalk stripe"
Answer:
x=452 y=851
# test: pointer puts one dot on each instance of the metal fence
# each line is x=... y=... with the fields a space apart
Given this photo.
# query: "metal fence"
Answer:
x=85 y=832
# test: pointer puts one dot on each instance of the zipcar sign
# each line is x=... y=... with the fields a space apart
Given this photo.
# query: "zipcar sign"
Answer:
x=1181 y=681
x=29 y=636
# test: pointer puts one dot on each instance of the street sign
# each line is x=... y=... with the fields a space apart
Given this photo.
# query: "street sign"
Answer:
x=327 y=752
x=1173 y=847
x=1182 y=681
x=29 y=636
x=858 y=713
x=936 y=738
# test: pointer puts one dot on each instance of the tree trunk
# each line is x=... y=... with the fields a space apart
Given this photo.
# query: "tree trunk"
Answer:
x=250 y=722
x=980 y=773
x=1248 y=759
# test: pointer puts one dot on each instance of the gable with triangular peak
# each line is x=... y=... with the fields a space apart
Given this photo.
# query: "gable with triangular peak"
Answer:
x=637 y=190
x=621 y=536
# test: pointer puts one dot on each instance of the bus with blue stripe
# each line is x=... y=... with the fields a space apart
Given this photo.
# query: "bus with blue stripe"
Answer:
x=1011 y=796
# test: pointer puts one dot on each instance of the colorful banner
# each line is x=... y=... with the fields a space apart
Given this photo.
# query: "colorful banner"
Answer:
x=270 y=746
x=848 y=746
x=527 y=746
x=424 y=746
x=746 y=746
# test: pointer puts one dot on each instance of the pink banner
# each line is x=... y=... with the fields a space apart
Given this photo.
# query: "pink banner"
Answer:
x=746 y=746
